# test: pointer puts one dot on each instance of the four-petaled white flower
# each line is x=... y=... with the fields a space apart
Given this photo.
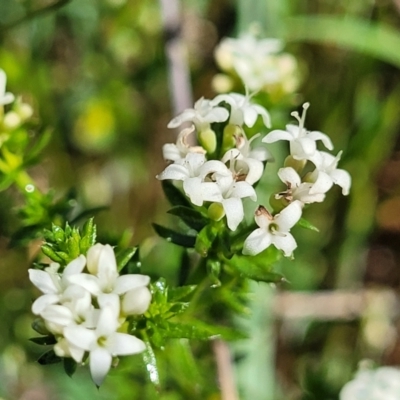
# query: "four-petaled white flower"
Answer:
x=326 y=173
x=5 y=97
x=103 y=343
x=52 y=284
x=242 y=110
x=297 y=190
x=202 y=115
x=302 y=142
x=274 y=230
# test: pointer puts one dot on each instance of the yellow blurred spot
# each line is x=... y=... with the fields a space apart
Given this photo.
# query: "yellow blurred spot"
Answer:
x=95 y=128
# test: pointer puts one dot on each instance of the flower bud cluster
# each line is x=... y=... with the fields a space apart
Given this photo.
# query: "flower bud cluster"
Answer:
x=259 y=63
x=220 y=178
x=86 y=305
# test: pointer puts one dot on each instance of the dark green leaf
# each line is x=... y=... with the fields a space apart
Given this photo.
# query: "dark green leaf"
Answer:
x=307 y=225
x=49 y=358
x=175 y=237
x=190 y=217
x=179 y=308
x=175 y=294
x=124 y=256
x=174 y=195
x=39 y=326
x=44 y=340
x=69 y=366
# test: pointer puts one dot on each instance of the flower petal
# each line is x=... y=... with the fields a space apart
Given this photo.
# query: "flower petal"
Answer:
x=57 y=314
x=289 y=176
x=174 y=171
x=108 y=321
x=277 y=135
x=256 y=242
x=193 y=189
x=233 y=208
x=100 y=364
x=343 y=179
x=302 y=148
x=322 y=184
x=289 y=216
x=131 y=281
x=122 y=344
x=43 y=301
x=243 y=189
x=75 y=266
x=43 y=281
x=285 y=243
x=80 y=337
x=315 y=135
x=89 y=282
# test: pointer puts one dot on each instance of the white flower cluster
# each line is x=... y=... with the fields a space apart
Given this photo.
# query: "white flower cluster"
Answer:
x=226 y=181
x=85 y=309
x=259 y=63
x=380 y=384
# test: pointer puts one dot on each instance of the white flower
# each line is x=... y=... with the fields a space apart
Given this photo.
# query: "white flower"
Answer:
x=53 y=284
x=297 y=190
x=5 y=97
x=245 y=161
x=103 y=343
x=326 y=173
x=104 y=277
x=136 y=301
x=202 y=115
x=380 y=384
x=302 y=142
x=178 y=151
x=229 y=193
x=242 y=110
x=273 y=230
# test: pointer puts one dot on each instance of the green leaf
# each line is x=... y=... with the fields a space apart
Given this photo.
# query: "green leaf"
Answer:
x=37 y=148
x=123 y=256
x=88 y=212
x=175 y=237
x=175 y=294
x=174 y=195
x=213 y=270
x=89 y=232
x=307 y=225
x=260 y=273
x=179 y=308
x=192 y=218
x=69 y=366
x=44 y=340
x=39 y=326
x=375 y=39
x=49 y=358
x=49 y=252
x=150 y=361
x=205 y=239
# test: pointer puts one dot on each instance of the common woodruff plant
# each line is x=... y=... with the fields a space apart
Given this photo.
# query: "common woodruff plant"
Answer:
x=96 y=305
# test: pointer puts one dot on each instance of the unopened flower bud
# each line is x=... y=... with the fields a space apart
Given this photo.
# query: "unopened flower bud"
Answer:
x=208 y=140
x=136 y=301
x=297 y=165
x=216 y=212
x=11 y=120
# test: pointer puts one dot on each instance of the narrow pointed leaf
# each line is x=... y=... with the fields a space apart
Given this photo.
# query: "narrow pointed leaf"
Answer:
x=175 y=237
x=174 y=195
x=205 y=240
x=190 y=217
x=150 y=362
x=124 y=256
x=307 y=225
x=49 y=358
x=69 y=366
x=44 y=340
x=175 y=294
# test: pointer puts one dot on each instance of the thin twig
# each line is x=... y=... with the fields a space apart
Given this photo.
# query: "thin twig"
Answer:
x=34 y=14
x=225 y=371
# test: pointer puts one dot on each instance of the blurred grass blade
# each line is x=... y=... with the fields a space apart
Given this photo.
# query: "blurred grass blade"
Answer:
x=376 y=40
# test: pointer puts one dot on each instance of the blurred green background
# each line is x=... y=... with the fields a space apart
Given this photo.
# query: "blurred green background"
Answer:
x=95 y=71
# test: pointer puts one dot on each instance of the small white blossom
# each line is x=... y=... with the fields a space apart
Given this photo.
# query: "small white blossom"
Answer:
x=297 y=190
x=103 y=343
x=274 y=230
x=326 y=174
x=202 y=115
x=5 y=97
x=242 y=110
x=302 y=142
x=379 y=384
x=52 y=284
